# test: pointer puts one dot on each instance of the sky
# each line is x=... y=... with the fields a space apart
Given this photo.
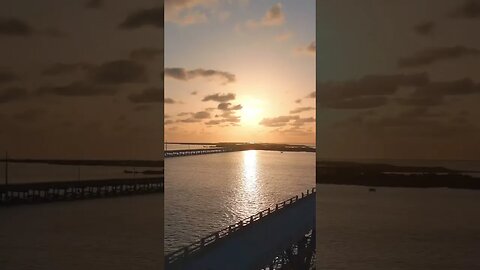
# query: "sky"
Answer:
x=81 y=79
x=398 y=79
x=240 y=71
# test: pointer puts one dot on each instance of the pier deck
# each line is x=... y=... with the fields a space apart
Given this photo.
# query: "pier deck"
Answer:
x=251 y=243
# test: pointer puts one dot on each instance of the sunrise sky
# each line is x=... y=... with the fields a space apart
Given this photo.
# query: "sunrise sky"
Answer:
x=81 y=79
x=398 y=79
x=240 y=71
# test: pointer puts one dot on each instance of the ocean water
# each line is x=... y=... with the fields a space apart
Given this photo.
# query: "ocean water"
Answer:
x=122 y=233
x=42 y=172
x=397 y=228
x=206 y=193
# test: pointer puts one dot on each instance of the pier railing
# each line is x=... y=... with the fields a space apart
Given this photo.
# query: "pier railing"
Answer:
x=213 y=238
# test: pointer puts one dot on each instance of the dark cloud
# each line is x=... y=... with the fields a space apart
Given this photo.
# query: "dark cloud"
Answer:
x=278 y=121
x=184 y=113
x=311 y=95
x=30 y=115
x=148 y=95
x=310 y=48
x=301 y=121
x=170 y=101
x=226 y=106
x=194 y=93
x=464 y=86
x=14 y=27
x=7 y=77
x=298 y=101
x=12 y=94
x=94 y=3
x=302 y=109
x=119 y=72
x=201 y=115
x=147 y=17
x=436 y=54
x=185 y=75
x=468 y=10
x=425 y=28
x=368 y=92
x=77 y=89
x=220 y=97
x=66 y=68
x=145 y=54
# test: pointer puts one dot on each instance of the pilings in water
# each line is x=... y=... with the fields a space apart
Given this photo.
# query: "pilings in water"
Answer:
x=181 y=153
x=77 y=190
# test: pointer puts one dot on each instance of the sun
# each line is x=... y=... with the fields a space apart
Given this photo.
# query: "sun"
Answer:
x=251 y=112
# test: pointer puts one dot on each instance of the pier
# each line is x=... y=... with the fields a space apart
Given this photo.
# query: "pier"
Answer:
x=251 y=243
x=194 y=152
x=12 y=194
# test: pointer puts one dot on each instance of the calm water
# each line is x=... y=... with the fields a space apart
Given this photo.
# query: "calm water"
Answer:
x=397 y=228
x=209 y=192
x=121 y=233
x=39 y=172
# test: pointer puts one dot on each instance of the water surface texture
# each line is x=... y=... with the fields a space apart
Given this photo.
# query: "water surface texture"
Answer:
x=209 y=192
x=397 y=228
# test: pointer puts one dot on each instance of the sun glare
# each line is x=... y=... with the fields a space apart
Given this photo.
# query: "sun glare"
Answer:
x=251 y=113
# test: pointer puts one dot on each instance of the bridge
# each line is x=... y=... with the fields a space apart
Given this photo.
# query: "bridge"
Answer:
x=255 y=242
x=77 y=190
x=194 y=152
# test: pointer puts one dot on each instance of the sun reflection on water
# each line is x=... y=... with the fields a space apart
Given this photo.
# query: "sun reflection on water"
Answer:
x=248 y=199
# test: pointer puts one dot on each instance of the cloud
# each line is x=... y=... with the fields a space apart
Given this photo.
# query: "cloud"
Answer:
x=185 y=75
x=201 y=115
x=425 y=28
x=368 y=92
x=273 y=17
x=66 y=68
x=194 y=93
x=311 y=95
x=298 y=101
x=302 y=109
x=14 y=27
x=436 y=54
x=170 y=101
x=77 y=89
x=152 y=17
x=119 y=72
x=468 y=10
x=219 y=97
x=309 y=49
x=225 y=106
x=145 y=54
x=302 y=121
x=94 y=4
x=7 y=77
x=187 y=12
x=12 y=94
x=278 y=121
x=148 y=95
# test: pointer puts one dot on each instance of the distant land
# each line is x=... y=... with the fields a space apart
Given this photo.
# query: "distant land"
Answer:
x=94 y=162
x=385 y=175
x=241 y=146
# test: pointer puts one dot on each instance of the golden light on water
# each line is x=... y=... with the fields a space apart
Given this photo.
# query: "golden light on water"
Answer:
x=250 y=171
